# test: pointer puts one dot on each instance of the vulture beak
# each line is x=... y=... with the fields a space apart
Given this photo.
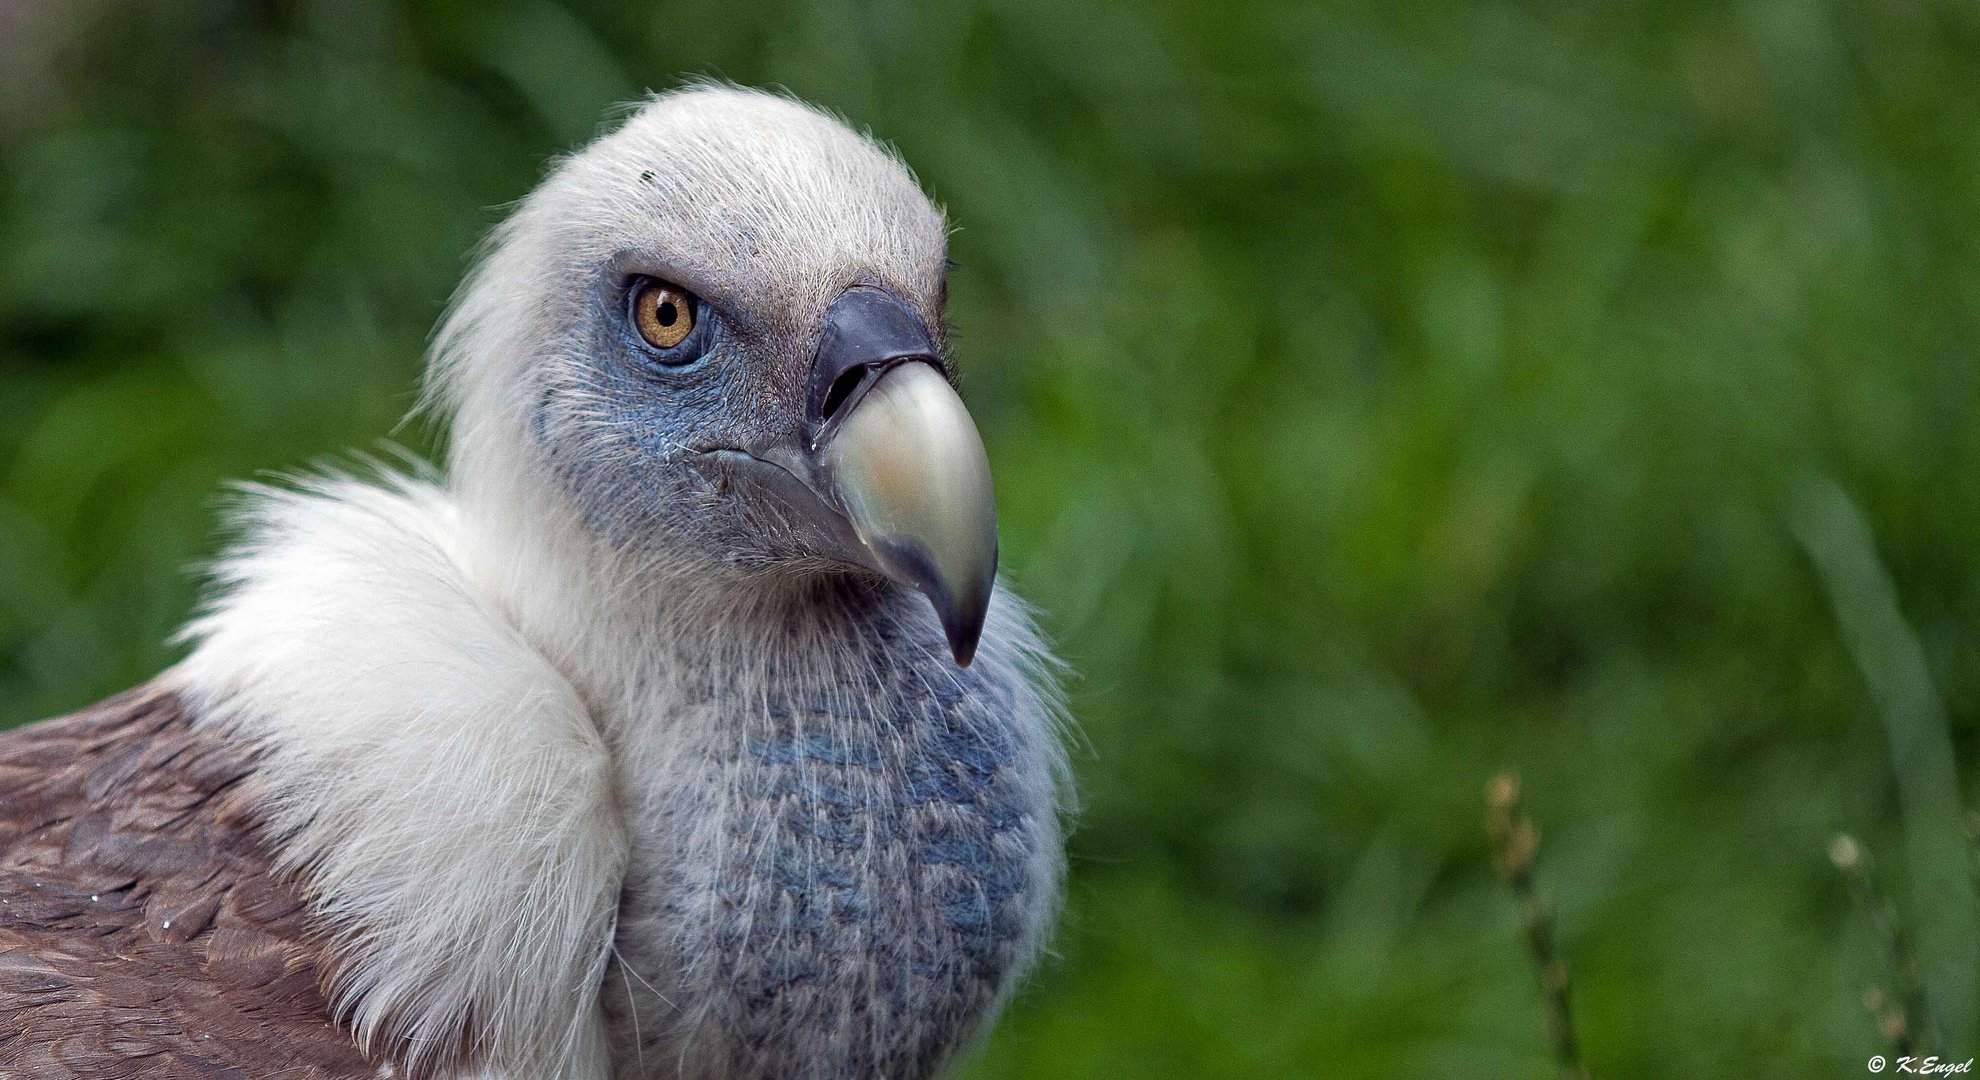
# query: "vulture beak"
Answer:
x=893 y=453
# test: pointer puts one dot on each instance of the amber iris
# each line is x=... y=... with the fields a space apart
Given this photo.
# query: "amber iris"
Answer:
x=664 y=314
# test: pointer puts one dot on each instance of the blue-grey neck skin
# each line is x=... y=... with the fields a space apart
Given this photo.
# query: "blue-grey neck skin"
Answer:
x=879 y=883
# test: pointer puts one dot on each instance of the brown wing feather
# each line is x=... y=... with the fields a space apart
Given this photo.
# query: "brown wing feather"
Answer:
x=141 y=931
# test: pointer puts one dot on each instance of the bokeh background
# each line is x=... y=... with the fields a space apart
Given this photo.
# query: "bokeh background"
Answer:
x=1381 y=396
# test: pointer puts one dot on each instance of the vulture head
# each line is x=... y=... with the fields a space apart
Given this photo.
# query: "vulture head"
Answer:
x=715 y=337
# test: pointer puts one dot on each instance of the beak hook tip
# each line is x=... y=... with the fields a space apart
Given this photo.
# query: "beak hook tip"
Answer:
x=961 y=613
x=962 y=617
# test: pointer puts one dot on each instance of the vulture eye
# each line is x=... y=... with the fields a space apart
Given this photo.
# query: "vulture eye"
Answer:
x=663 y=313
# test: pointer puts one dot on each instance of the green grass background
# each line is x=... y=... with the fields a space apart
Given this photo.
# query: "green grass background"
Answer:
x=1380 y=396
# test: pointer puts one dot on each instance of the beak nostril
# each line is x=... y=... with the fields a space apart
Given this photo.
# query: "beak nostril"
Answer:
x=842 y=388
x=867 y=332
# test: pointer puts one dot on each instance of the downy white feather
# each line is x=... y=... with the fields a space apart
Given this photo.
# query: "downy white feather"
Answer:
x=439 y=787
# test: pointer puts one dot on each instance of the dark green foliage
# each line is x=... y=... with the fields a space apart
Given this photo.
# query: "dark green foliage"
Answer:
x=1380 y=395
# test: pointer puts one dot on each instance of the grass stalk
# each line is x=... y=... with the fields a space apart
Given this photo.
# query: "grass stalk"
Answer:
x=1516 y=845
x=1900 y=1015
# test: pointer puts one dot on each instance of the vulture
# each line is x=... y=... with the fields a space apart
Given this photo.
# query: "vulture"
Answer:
x=677 y=727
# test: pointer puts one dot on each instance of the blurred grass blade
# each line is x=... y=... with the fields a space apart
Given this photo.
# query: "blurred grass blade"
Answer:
x=1839 y=541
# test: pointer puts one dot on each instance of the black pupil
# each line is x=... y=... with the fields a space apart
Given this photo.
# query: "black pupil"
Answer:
x=668 y=313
